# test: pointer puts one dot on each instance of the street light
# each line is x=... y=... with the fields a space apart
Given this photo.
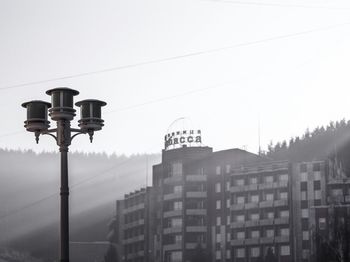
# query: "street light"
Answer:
x=61 y=110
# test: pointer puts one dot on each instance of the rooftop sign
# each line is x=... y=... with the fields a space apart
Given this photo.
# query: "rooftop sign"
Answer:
x=183 y=138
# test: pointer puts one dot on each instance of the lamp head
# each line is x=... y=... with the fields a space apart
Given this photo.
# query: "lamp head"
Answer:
x=62 y=103
x=90 y=114
x=36 y=116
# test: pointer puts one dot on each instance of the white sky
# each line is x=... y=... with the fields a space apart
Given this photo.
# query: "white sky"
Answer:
x=290 y=83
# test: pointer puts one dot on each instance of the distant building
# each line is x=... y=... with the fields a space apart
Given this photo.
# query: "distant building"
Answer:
x=230 y=205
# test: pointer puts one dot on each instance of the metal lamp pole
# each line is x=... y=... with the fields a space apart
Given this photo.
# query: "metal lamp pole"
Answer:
x=61 y=110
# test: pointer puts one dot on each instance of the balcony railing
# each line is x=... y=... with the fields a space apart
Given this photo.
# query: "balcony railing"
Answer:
x=134 y=208
x=198 y=194
x=172 y=196
x=281 y=239
x=173 y=179
x=281 y=220
x=134 y=239
x=196 y=178
x=172 y=213
x=194 y=229
x=174 y=229
x=236 y=207
x=202 y=212
x=134 y=224
x=195 y=245
x=172 y=247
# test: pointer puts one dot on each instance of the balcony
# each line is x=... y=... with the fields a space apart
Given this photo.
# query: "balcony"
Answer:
x=173 y=180
x=266 y=186
x=134 y=208
x=171 y=230
x=280 y=203
x=194 y=229
x=252 y=223
x=281 y=239
x=196 y=212
x=237 y=242
x=173 y=196
x=134 y=239
x=336 y=199
x=252 y=187
x=237 y=207
x=171 y=247
x=268 y=203
x=196 y=178
x=199 y=194
x=281 y=221
x=251 y=205
x=134 y=224
x=237 y=224
x=251 y=241
x=280 y=184
x=195 y=245
x=172 y=213
x=266 y=222
x=347 y=198
x=266 y=240
x=235 y=189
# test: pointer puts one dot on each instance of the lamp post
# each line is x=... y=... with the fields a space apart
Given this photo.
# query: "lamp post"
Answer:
x=61 y=110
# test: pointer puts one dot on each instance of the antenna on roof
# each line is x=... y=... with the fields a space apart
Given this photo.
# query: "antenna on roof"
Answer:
x=259 y=152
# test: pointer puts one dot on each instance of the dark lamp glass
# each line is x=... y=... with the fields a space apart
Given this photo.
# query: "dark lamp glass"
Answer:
x=90 y=114
x=62 y=103
x=36 y=115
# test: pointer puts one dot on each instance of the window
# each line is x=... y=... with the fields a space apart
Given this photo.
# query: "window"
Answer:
x=254 y=198
x=217 y=187
x=227 y=186
x=240 y=218
x=178 y=205
x=255 y=252
x=284 y=213
x=337 y=192
x=178 y=239
x=316 y=167
x=284 y=195
x=306 y=235
x=228 y=219
x=283 y=177
x=218 y=170
x=177 y=189
x=228 y=203
x=240 y=252
x=285 y=250
x=303 y=195
x=240 y=200
x=269 y=197
x=218 y=238
x=317 y=194
x=254 y=216
x=240 y=235
x=270 y=215
x=304 y=213
x=176 y=222
x=228 y=168
x=240 y=182
x=270 y=233
x=218 y=204
x=269 y=179
x=218 y=254
x=284 y=231
x=218 y=221
x=322 y=223
x=317 y=175
x=255 y=234
x=303 y=177
x=176 y=256
x=254 y=180
x=228 y=253
x=176 y=169
x=303 y=168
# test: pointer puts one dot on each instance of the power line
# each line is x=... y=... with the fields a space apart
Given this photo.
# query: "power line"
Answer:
x=172 y=58
x=277 y=5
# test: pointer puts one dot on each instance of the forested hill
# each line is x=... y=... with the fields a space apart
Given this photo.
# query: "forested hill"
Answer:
x=330 y=141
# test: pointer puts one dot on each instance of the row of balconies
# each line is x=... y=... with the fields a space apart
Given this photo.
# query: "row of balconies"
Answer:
x=262 y=240
x=338 y=199
x=262 y=204
x=255 y=187
x=189 y=229
x=178 y=195
x=262 y=222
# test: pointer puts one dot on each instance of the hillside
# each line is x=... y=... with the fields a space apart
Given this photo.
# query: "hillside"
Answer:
x=29 y=203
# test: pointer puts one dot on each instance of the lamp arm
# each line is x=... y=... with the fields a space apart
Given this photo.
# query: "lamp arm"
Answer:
x=47 y=132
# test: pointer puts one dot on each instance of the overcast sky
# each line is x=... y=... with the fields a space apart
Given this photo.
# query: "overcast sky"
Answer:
x=223 y=64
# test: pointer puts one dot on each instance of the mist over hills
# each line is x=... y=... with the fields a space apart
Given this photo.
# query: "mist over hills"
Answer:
x=29 y=199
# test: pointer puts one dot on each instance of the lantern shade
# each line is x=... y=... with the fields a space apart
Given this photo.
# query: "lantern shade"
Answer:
x=62 y=103
x=36 y=115
x=90 y=114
